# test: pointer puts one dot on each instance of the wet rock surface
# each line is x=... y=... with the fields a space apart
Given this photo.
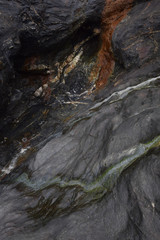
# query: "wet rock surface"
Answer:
x=77 y=163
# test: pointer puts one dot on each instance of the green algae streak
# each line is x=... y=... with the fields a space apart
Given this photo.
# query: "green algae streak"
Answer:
x=103 y=183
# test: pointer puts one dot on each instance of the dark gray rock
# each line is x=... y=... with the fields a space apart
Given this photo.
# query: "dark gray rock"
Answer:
x=30 y=27
x=91 y=171
x=138 y=44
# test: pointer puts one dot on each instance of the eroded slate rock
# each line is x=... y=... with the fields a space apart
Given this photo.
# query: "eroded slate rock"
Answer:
x=99 y=177
x=138 y=44
x=37 y=26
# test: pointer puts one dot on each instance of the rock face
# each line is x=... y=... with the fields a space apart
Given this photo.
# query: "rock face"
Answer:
x=34 y=27
x=77 y=163
x=135 y=50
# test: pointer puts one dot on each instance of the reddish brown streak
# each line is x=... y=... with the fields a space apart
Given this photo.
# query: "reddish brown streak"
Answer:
x=113 y=14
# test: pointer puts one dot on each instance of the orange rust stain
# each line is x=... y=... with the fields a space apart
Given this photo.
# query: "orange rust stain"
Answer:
x=113 y=14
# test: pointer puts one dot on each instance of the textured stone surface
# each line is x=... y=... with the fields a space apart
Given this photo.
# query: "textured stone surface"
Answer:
x=113 y=13
x=31 y=27
x=138 y=44
x=74 y=164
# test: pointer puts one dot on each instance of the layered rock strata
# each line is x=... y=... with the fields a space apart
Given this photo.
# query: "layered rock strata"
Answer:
x=77 y=163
